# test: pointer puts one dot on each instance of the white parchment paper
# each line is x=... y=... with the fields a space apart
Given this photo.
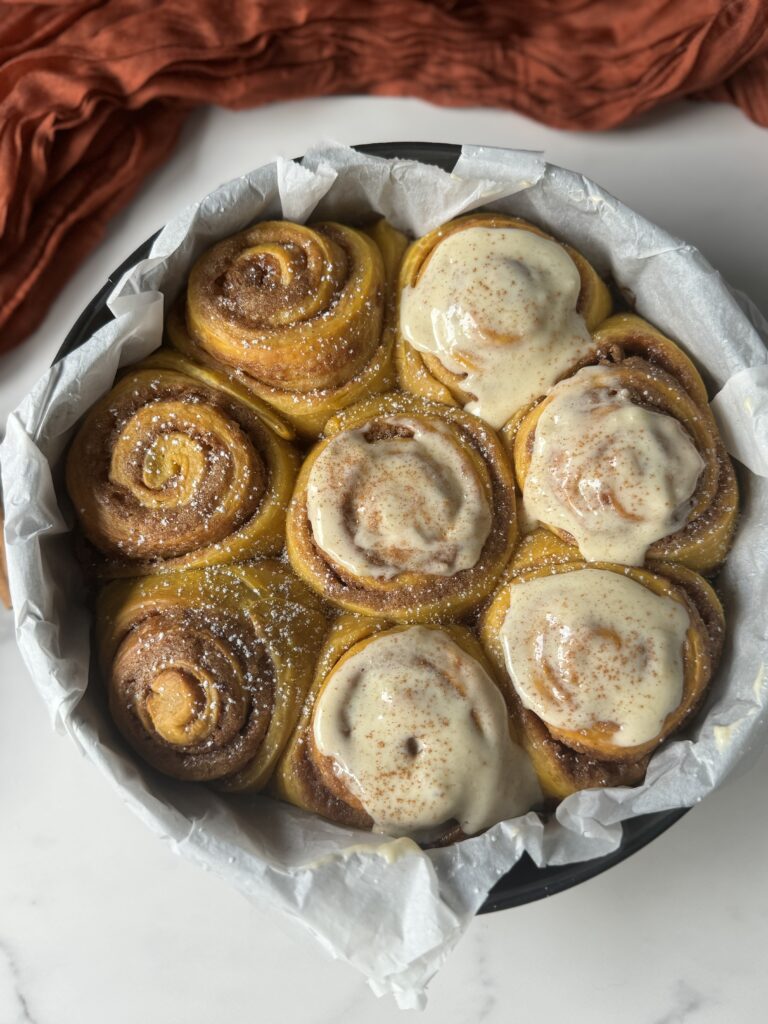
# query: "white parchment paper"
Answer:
x=386 y=907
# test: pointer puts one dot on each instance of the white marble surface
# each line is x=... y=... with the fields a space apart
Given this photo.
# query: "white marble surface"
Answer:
x=99 y=921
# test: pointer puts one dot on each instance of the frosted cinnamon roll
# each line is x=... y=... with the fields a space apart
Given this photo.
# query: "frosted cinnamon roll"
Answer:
x=177 y=466
x=492 y=312
x=206 y=670
x=406 y=732
x=606 y=662
x=621 y=461
x=301 y=315
x=406 y=509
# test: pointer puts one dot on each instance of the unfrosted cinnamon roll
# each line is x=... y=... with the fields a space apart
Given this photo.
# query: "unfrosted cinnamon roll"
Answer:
x=492 y=312
x=295 y=306
x=606 y=661
x=406 y=732
x=620 y=460
x=206 y=670
x=406 y=509
x=177 y=466
x=302 y=315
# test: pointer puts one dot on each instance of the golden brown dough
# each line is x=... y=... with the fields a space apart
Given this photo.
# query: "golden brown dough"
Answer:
x=300 y=314
x=207 y=669
x=178 y=466
x=627 y=336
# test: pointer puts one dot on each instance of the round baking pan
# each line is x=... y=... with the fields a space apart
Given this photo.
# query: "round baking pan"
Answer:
x=525 y=882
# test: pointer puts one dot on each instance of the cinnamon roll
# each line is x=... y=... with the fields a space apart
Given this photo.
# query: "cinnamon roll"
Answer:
x=206 y=670
x=301 y=315
x=620 y=460
x=598 y=638
x=406 y=509
x=178 y=466
x=492 y=312
x=606 y=661
x=406 y=732
x=625 y=336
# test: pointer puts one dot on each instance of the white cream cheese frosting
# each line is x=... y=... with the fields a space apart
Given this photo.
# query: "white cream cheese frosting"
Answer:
x=410 y=502
x=498 y=306
x=591 y=649
x=419 y=733
x=614 y=475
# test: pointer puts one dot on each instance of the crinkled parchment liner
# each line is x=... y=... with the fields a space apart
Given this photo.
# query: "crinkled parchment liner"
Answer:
x=391 y=910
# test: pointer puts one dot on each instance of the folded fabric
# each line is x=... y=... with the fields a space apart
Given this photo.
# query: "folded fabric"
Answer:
x=93 y=92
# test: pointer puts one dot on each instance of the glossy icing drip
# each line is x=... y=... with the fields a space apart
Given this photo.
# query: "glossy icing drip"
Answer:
x=498 y=307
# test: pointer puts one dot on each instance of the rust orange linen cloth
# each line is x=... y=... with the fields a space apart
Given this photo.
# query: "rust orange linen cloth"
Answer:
x=93 y=92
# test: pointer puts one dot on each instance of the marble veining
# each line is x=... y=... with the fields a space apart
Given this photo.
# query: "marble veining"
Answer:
x=686 y=1002
x=14 y=998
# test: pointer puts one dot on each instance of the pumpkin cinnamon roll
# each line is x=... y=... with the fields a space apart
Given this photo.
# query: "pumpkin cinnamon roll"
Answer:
x=178 y=466
x=606 y=662
x=300 y=314
x=406 y=732
x=626 y=336
x=621 y=460
x=492 y=312
x=406 y=509
x=206 y=669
